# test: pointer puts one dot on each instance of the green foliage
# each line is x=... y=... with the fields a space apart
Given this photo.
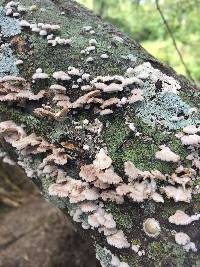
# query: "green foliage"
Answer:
x=141 y=20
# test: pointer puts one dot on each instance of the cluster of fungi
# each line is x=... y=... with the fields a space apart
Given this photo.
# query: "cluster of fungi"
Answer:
x=97 y=182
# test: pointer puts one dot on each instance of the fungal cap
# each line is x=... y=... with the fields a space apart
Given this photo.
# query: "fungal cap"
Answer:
x=191 y=129
x=151 y=227
x=118 y=240
x=102 y=160
x=157 y=197
x=180 y=218
x=109 y=176
x=57 y=88
x=190 y=140
x=131 y=171
x=165 y=154
x=177 y=193
x=182 y=238
x=61 y=75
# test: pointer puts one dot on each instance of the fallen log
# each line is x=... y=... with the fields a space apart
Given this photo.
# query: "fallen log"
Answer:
x=108 y=133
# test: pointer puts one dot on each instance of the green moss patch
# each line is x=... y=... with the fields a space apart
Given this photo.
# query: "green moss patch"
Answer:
x=123 y=145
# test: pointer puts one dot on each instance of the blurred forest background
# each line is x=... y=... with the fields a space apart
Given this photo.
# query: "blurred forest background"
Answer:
x=142 y=21
x=26 y=220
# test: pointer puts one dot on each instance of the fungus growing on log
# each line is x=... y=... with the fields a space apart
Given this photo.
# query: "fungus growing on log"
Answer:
x=151 y=227
x=165 y=154
x=118 y=240
x=89 y=127
x=181 y=218
x=102 y=161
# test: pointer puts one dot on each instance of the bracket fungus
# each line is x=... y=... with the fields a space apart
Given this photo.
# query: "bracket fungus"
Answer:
x=151 y=227
x=165 y=154
x=90 y=127
x=181 y=218
x=102 y=161
x=118 y=240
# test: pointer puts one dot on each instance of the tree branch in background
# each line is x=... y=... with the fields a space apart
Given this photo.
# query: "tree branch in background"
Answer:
x=99 y=7
x=173 y=40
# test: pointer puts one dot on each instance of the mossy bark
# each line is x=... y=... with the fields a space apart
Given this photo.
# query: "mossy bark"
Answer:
x=122 y=145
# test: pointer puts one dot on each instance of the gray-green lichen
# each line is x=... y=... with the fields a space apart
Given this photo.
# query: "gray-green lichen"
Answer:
x=9 y=26
x=165 y=108
x=7 y=61
x=103 y=256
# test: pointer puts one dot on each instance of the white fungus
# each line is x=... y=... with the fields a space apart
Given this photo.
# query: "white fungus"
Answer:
x=19 y=62
x=182 y=238
x=24 y=23
x=61 y=75
x=131 y=171
x=87 y=28
x=191 y=129
x=118 y=240
x=104 y=56
x=40 y=75
x=90 y=59
x=181 y=218
x=177 y=193
x=157 y=197
x=57 y=88
x=93 y=42
x=137 y=95
x=165 y=154
x=43 y=32
x=106 y=112
x=190 y=140
x=102 y=161
x=109 y=176
x=151 y=227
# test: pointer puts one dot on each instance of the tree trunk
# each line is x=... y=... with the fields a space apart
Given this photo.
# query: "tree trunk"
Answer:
x=149 y=106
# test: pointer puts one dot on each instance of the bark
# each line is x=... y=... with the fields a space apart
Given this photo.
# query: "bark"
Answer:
x=38 y=234
x=158 y=118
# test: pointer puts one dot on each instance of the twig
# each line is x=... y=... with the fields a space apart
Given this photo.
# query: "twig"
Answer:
x=173 y=40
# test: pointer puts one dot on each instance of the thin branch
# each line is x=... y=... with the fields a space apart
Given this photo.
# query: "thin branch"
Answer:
x=173 y=40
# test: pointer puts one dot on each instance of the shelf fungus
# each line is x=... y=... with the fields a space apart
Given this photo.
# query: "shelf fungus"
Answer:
x=136 y=95
x=74 y=162
x=40 y=75
x=106 y=112
x=61 y=75
x=108 y=176
x=131 y=171
x=191 y=140
x=88 y=206
x=184 y=240
x=157 y=197
x=177 y=193
x=112 y=84
x=112 y=196
x=137 y=191
x=191 y=129
x=88 y=173
x=11 y=131
x=102 y=161
x=16 y=89
x=165 y=154
x=58 y=89
x=58 y=156
x=181 y=218
x=76 y=190
x=51 y=114
x=118 y=240
x=151 y=227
